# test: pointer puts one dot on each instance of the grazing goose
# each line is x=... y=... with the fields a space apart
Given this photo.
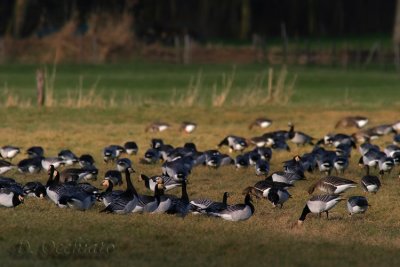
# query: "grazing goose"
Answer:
x=35 y=151
x=213 y=158
x=262 y=167
x=125 y=202
x=68 y=157
x=343 y=150
x=370 y=159
x=340 y=164
x=157 y=127
x=178 y=169
x=297 y=165
x=261 y=141
x=34 y=189
x=235 y=143
x=365 y=147
x=352 y=121
x=151 y=156
x=282 y=135
x=264 y=152
x=261 y=122
x=285 y=177
x=370 y=183
x=318 y=204
x=11 y=196
x=278 y=196
x=123 y=164
x=199 y=205
x=131 y=148
x=180 y=206
x=385 y=164
x=261 y=188
x=55 y=161
x=242 y=161
x=156 y=143
x=5 y=166
x=384 y=129
x=86 y=160
x=357 y=204
x=325 y=159
x=112 y=152
x=280 y=145
x=275 y=192
x=332 y=185
x=188 y=127
x=238 y=212
x=30 y=165
x=301 y=139
x=9 y=152
x=169 y=183
x=393 y=151
x=337 y=139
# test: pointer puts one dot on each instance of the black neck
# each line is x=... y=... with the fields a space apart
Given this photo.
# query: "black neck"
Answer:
x=15 y=200
x=247 y=201
x=56 y=178
x=51 y=174
x=129 y=186
x=306 y=211
x=146 y=180
x=225 y=198
x=184 y=192
x=110 y=187
x=158 y=193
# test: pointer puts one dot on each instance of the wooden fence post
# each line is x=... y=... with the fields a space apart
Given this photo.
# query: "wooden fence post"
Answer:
x=40 y=87
x=186 y=49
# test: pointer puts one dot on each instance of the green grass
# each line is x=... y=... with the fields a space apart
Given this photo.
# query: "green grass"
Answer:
x=154 y=240
x=161 y=82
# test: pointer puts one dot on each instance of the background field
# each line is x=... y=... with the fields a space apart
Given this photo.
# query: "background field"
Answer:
x=147 y=240
x=141 y=83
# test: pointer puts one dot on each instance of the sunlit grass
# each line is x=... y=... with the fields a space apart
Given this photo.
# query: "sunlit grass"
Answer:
x=143 y=240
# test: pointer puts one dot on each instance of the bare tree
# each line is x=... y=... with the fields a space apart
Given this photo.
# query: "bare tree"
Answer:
x=396 y=35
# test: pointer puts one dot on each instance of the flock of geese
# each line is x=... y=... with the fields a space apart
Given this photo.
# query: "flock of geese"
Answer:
x=70 y=187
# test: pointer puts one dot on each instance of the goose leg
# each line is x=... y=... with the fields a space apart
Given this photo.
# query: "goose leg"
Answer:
x=327 y=214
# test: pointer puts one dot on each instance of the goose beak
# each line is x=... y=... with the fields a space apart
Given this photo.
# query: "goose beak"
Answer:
x=21 y=198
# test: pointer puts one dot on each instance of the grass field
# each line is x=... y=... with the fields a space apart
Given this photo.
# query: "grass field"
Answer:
x=148 y=240
x=162 y=83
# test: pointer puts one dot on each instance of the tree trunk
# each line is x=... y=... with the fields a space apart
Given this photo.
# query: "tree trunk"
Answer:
x=396 y=34
x=245 y=19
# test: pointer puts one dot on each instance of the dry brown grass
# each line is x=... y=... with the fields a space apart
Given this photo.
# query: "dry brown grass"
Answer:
x=267 y=235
